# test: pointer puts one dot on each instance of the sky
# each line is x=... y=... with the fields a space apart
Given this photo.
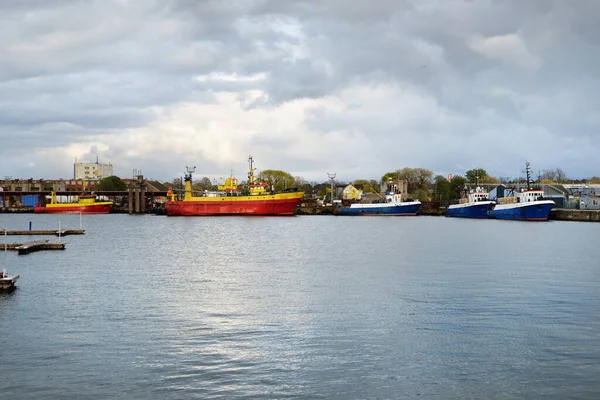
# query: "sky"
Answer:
x=356 y=88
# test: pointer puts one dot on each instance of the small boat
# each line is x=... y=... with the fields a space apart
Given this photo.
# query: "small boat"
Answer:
x=231 y=199
x=86 y=203
x=475 y=205
x=391 y=205
x=7 y=283
x=526 y=205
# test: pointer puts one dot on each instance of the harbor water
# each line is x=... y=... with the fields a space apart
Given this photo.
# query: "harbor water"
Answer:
x=308 y=307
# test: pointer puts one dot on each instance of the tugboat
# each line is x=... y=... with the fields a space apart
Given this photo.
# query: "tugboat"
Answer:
x=390 y=205
x=86 y=204
x=233 y=200
x=526 y=205
x=475 y=205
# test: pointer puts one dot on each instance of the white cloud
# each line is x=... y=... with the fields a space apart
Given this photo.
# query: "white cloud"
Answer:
x=510 y=48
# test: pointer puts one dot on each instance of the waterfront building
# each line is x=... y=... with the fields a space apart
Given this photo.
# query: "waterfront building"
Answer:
x=92 y=171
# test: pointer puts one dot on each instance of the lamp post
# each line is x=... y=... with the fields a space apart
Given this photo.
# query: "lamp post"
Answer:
x=332 y=177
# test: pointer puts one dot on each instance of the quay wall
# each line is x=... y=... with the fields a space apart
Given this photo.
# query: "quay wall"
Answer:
x=564 y=214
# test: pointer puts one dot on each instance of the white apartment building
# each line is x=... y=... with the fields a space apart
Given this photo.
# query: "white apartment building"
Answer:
x=92 y=171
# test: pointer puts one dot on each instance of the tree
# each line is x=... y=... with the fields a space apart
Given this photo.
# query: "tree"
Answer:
x=476 y=174
x=442 y=190
x=375 y=186
x=367 y=186
x=321 y=189
x=457 y=186
x=561 y=176
x=556 y=175
x=203 y=184
x=300 y=181
x=111 y=184
x=279 y=180
x=490 y=180
x=417 y=178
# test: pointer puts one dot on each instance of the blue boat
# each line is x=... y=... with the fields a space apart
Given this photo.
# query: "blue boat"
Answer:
x=390 y=205
x=476 y=205
x=527 y=205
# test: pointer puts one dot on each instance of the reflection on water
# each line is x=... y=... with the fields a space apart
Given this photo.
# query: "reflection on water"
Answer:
x=305 y=307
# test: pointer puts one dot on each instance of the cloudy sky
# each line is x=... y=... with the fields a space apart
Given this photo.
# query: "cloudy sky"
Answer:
x=309 y=86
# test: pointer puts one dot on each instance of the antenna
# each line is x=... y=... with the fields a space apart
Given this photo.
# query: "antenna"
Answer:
x=528 y=172
x=189 y=171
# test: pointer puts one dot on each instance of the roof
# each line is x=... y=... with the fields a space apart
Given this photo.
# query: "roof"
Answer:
x=156 y=186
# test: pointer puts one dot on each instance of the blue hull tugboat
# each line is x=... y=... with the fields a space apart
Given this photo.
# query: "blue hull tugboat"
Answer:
x=390 y=205
x=476 y=205
x=526 y=205
x=400 y=208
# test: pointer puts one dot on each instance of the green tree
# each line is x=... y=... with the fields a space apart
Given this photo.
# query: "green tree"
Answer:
x=280 y=180
x=476 y=174
x=442 y=190
x=321 y=189
x=457 y=186
x=111 y=184
x=417 y=178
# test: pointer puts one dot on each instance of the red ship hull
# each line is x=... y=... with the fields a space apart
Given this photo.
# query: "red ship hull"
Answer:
x=88 y=209
x=225 y=206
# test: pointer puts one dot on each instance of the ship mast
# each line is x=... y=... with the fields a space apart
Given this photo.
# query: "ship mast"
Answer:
x=251 y=171
x=188 y=182
x=528 y=172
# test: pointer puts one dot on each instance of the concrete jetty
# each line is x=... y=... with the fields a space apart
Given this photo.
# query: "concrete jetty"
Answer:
x=30 y=247
x=566 y=214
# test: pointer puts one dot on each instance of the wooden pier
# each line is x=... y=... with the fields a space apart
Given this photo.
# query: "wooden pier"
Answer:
x=55 y=232
x=29 y=247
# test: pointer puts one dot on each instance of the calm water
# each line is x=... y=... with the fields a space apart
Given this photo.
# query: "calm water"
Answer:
x=307 y=307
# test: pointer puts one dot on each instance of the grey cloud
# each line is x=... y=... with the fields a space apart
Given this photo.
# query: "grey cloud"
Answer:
x=94 y=67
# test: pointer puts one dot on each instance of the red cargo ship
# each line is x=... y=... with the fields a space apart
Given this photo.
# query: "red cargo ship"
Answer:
x=231 y=200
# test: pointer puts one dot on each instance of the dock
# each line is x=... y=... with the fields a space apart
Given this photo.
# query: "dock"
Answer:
x=30 y=247
x=563 y=214
x=55 y=232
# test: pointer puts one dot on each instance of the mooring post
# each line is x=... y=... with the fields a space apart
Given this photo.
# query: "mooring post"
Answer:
x=130 y=199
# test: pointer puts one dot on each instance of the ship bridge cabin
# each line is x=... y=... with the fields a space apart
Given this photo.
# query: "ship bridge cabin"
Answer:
x=478 y=196
x=475 y=195
x=527 y=196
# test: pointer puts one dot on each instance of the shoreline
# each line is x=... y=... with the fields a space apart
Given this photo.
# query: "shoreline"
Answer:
x=556 y=214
